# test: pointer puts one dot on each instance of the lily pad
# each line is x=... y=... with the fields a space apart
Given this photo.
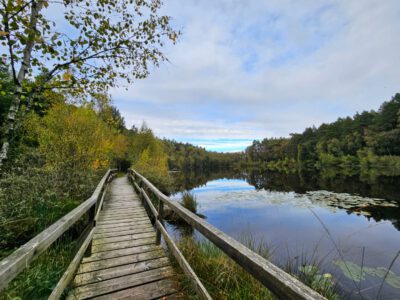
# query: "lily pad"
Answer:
x=354 y=272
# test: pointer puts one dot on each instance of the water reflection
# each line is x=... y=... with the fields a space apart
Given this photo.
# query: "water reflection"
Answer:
x=352 y=222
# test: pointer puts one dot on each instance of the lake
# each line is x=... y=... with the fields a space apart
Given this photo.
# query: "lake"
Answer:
x=344 y=224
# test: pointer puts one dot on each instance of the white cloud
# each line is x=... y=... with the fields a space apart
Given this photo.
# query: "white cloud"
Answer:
x=249 y=69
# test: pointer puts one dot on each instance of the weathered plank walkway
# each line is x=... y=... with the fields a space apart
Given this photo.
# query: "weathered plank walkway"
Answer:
x=125 y=262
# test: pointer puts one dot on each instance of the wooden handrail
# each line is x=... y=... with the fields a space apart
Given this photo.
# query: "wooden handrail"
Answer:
x=20 y=259
x=282 y=284
x=160 y=230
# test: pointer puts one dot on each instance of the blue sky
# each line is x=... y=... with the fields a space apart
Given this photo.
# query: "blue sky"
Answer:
x=245 y=70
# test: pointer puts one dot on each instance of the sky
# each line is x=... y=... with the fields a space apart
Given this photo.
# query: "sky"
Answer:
x=250 y=69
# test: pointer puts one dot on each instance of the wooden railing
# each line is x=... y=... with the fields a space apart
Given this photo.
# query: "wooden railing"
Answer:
x=20 y=259
x=283 y=285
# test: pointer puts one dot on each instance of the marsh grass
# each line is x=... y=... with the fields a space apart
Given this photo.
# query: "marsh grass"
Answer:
x=189 y=202
x=222 y=277
x=32 y=198
x=225 y=279
x=39 y=279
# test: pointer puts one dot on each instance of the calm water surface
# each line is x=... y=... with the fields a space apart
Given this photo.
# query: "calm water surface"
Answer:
x=301 y=222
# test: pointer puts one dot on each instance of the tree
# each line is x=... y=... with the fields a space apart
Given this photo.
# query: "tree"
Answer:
x=105 y=41
x=74 y=138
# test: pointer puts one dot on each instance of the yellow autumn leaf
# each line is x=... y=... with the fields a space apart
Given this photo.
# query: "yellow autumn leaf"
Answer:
x=67 y=76
x=4 y=33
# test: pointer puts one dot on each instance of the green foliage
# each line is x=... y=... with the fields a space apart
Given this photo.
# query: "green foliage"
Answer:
x=368 y=140
x=6 y=91
x=322 y=283
x=186 y=157
x=33 y=197
x=103 y=41
x=147 y=155
x=74 y=138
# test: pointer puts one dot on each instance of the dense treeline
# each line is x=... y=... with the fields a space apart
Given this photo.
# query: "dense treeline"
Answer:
x=370 y=139
x=187 y=157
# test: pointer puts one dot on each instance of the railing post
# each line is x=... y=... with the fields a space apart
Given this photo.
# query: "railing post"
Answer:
x=159 y=218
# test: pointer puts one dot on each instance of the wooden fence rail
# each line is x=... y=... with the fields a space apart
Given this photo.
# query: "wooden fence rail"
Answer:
x=283 y=285
x=20 y=259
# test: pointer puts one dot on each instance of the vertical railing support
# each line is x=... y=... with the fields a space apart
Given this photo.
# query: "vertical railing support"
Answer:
x=91 y=225
x=159 y=218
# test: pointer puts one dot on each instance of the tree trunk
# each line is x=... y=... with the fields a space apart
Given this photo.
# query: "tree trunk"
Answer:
x=9 y=123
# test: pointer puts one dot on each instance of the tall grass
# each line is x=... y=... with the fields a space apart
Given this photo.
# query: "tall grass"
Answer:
x=225 y=279
x=222 y=277
x=39 y=279
x=189 y=202
x=32 y=197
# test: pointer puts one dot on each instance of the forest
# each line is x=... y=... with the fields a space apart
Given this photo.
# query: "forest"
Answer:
x=368 y=140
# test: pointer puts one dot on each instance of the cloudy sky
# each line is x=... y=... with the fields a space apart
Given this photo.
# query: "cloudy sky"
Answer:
x=249 y=69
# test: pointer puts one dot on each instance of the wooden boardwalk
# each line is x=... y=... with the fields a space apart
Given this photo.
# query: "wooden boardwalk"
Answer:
x=125 y=262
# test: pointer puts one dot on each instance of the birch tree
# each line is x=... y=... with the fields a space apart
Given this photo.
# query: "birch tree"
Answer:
x=100 y=44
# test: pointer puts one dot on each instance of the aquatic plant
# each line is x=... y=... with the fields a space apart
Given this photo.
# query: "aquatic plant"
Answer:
x=189 y=202
x=357 y=273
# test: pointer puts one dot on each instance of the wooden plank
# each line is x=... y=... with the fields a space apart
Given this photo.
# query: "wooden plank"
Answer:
x=121 y=212
x=124 y=214
x=132 y=220
x=127 y=220
x=120 y=283
x=12 y=265
x=123 y=217
x=275 y=279
x=122 y=238
x=124 y=228
x=120 y=252
x=165 y=289
x=125 y=210
x=124 y=224
x=119 y=261
x=187 y=269
x=123 y=232
x=122 y=245
x=121 y=206
x=70 y=272
x=130 y=202
x=121 y=270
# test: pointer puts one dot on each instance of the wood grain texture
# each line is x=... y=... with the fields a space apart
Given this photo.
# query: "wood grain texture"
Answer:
x=125 y=262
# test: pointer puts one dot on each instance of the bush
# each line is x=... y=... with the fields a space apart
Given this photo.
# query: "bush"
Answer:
x=32 y=198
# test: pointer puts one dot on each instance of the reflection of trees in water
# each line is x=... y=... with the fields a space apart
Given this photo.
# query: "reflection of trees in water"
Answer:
x=383 y=187
x=189 y=180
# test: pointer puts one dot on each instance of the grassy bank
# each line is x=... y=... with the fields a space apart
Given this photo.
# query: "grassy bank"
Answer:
x=225 y=279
